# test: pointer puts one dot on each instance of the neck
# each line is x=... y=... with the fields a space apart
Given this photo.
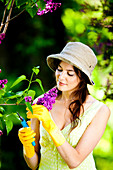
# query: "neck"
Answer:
x=65 y=97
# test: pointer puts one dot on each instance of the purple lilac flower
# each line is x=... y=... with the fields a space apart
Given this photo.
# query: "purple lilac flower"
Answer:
x=28 y=99
x=50 y=7
x=1 y=133
x=49 y=99
x=2 y=82
x=2 y=36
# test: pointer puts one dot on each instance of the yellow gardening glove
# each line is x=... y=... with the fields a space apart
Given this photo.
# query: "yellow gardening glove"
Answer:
x=26 y=136
x=41 y=113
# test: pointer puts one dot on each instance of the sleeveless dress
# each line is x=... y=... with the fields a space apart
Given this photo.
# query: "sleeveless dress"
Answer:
x=50 y=157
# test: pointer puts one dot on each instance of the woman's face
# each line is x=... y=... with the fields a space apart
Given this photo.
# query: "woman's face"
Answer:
x=66 y=77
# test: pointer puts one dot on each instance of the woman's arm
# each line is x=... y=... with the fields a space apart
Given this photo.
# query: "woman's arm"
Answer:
x=34 y=161
x=74 y=156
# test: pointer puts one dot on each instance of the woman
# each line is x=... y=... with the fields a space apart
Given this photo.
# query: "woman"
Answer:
x=66 y=136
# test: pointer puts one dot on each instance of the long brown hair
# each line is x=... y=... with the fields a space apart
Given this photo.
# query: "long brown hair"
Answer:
x=78 y=97
x=81 y=93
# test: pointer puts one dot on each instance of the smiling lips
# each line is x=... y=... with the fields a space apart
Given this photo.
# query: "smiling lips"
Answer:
x=61 y=84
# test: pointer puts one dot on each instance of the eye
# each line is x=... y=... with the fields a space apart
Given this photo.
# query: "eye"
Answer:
x=69 y=74
x=60 y=70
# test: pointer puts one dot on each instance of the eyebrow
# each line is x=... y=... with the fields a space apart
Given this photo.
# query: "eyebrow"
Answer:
x=67 y=69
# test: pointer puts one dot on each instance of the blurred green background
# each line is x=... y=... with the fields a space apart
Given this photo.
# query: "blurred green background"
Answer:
x=30 y=40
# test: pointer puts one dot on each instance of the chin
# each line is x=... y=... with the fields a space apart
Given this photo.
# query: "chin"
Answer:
x=62 y=88
x=65 y=89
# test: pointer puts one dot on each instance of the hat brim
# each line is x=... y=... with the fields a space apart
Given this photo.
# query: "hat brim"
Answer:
x=52 y=62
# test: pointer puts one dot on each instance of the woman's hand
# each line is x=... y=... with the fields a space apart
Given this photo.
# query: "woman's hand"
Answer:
x=26 y=136
x=41 y=112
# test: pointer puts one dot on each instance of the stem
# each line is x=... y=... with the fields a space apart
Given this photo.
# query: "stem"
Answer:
x=15 y=15
x=12 y=104
x=4 y=16
x=8 y=17
x=30 y=80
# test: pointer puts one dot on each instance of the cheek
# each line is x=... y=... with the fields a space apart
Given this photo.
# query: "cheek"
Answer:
x=74 y=81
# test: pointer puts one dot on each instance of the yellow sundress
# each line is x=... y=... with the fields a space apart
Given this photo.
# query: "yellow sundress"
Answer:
x=50 y=157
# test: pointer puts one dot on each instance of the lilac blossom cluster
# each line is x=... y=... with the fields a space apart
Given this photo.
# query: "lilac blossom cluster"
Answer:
x=2 y=83
x=1 y=133
x=50 y=7
x=28 y=99
x=2 y=36
x=49 y=99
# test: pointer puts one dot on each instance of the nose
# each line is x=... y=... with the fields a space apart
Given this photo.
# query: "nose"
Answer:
x=62 y=75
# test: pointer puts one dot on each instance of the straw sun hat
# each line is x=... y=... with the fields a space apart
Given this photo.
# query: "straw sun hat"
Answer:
x=76 y=54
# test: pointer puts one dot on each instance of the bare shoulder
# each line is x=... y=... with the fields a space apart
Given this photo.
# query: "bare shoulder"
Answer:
x=105 y=110
x=103 y=113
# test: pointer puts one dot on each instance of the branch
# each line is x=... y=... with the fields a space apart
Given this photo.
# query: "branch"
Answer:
x=12 y=104
x=4 y=16
x=14 y=17
x=8 y=17
x=19 y=14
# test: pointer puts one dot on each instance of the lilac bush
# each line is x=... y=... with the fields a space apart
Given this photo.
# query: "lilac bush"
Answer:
x=8 y=97
x=50 y=7
x=2 y=83
x=28 y=99
x=2 y=36
x=38 y=7
x=1 y=133
x=24 y=97
x=49 y=99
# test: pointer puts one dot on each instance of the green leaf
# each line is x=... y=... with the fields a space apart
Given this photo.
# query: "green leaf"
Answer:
x=2 y=109
x=41 y=4
x=40 y=83
x=1 y=124
x=34 y=1
x=19 y=79
x=8 y=94
x=13 y=97
x=9 y=5
x=16 y=116
x=2 y=92
x=29 y=106
x=2 y=0
x=20 y=2
x=32 y=10
x=9 y=125
x=31 y=93
x=36 y=69
x=1 y=115
x=18 y=94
